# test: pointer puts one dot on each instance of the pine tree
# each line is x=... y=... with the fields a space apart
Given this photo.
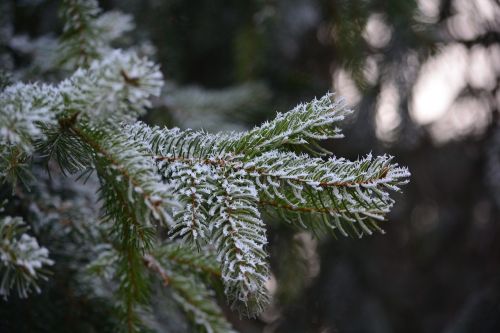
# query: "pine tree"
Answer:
x=182 y=208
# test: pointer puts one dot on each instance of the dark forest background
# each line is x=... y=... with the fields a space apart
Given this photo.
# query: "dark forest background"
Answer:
x=423 y=78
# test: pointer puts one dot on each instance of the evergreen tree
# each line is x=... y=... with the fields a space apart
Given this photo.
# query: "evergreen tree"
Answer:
x=179 y=209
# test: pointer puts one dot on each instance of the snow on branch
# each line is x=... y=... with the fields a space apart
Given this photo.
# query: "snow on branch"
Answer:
x=118 y=86
x=342 y=192
x=306 y=124
x=22 y=260
x=23 y=107
x=239 y=235
x=225 y=180
x=121 y=165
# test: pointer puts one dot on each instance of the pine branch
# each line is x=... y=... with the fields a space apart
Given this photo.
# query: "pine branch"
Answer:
x=303 y=126
x=291 y=178
x=132 y=190
x=81 y=41
x=197 y=302
x=222 y=200
x=340 y=191
x=118 y=88
x=174 y=266
x=23 y=107
x=22 y=260
x=352 y=194
x=65 y=147
x=192 y=183
x=15 y=167
x=133 y=197
x=174 y=144
x=88 y=34
x=239 y=235
x=123 y=165
x=322 y=195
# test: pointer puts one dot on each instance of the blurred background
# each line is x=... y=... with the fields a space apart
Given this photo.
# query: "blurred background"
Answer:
x=423 y=79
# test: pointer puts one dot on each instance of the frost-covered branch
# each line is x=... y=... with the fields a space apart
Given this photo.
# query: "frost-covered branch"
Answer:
x=304 y=125
x=134 y=200
x=22 y=261
x=192 y=183
x=344 y=193
x=240 y=236
x=223 y=187
x=118 y=86
x=23 y=107
x=122 y=164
